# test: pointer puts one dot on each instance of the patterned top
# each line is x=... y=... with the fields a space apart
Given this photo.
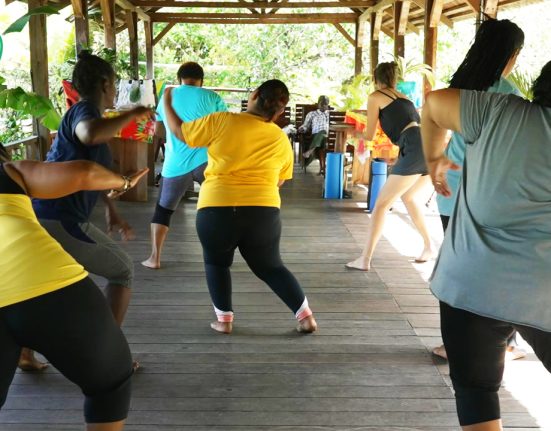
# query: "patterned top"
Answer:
x=317 y=120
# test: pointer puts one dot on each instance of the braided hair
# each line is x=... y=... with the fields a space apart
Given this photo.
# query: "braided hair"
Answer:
x=495 y=43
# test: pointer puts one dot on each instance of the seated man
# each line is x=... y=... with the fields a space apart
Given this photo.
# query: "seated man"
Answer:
x=318 y=122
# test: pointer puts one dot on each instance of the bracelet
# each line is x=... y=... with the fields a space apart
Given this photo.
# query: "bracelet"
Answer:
x=127 y=183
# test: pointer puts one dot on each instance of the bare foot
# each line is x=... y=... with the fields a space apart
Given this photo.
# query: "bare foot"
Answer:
x=150 y=263
x=223 y=327
x=426 y=255
x=360 y=264
x=27 y=361
x=307 y=325
x=440 y=351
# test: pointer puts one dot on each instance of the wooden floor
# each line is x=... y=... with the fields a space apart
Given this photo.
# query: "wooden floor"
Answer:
x=368 y=367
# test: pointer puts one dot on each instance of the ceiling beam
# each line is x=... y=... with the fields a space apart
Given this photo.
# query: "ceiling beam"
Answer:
x=490 y=8
x=383 y=4
x=436 y=13
x=163 y=32
x=126 y=5
x=346 y=35
x=253 y=4
x=473 y=4
x=444 y=19
x=264 y=19
x=404 y=17
x=175 y=17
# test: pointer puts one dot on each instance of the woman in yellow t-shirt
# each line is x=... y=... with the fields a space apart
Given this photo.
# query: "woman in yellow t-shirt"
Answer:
x=249 y=159
x=47 y=301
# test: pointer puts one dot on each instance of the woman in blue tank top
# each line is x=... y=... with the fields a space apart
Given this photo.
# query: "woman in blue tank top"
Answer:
x=400 y=121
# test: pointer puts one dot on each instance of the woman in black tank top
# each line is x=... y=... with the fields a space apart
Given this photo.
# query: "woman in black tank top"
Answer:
x=408 y=179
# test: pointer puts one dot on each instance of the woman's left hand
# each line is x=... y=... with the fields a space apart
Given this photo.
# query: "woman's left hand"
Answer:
x=437 y=170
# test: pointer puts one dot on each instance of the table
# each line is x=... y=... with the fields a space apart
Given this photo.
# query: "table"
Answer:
x=132 y=150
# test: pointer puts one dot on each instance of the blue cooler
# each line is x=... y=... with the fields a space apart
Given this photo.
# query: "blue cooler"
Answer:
x=334 y=174
x=376 y=182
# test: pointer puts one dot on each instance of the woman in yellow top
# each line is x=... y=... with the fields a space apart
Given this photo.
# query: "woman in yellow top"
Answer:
x=47 y=301
x=249 y=159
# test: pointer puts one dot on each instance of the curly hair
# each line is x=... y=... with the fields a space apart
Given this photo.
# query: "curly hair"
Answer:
x=90 y=73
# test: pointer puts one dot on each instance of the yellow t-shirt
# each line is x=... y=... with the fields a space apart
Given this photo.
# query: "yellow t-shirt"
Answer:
x=32 y=263
x=248 y=156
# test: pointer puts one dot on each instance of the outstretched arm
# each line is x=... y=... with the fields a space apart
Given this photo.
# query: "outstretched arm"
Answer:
x=98 y=130
x=441 y=113
x=55 y=180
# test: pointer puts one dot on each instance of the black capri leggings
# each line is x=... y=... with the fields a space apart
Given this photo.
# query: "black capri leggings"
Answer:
x=74 y=329
x=256 y=231
x=476 y=352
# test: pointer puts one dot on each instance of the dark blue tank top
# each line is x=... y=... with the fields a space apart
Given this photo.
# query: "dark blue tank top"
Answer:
x=397 y=115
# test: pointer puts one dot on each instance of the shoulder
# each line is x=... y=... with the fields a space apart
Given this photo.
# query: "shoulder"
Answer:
x=83 y=108
x=504 y=86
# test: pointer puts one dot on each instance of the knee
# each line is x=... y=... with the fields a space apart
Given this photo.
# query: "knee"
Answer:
x=124 y=274
x=162 y=215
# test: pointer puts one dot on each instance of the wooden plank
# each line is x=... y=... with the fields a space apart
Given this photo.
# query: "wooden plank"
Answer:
x=39 y=69
x=376 y=24
x=343 y=31
x=430 y=42
x=444 y=19
x=474 y=5
x=253 y=4
x=360 y=26
x=127 y=5
x=378 y=7
x=163 y=32
x=148 y=30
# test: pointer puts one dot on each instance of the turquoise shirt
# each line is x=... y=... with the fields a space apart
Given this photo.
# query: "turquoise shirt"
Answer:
x=190 y=103
x=495 y=260
x=456 y=153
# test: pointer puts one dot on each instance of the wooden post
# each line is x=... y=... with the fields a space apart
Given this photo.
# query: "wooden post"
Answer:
x=431 y=38
x=132 y=25
x=39 y=71
x=399 y=39
x=358 y=47
x=374 y=41
x=148 y=29
x=82 y=30
x=108 y=14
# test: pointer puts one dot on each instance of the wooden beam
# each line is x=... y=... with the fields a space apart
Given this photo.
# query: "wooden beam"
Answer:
x=264 y=19
x=430 y=42
x=172 y=17
x=490 y=8
x=374 y=43
x=403 y=17
x=108 y=15
x=39 y=69
x=126 y=5
x=436 y=12
x=380 y=6
x=358 y=51
x=82 y=29
x=254 y=4
x=376 y=24
x=474 y=5
x=148 y=29
x=443 y=19
x=132 y=25
x=344 y=33
x=399 y=39
x=163 y=32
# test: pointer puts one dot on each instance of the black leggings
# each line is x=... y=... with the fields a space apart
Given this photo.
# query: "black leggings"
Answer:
x=256 y=232
x=475 y=346
x=74 y=329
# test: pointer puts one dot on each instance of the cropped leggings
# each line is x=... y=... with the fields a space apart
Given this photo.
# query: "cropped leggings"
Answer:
x=74 y=329
x=256 y=232
x=476 y=352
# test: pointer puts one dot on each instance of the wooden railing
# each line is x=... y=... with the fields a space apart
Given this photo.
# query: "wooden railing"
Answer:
x=26 y=148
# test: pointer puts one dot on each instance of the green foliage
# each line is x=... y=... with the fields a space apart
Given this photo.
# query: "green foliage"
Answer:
x=354 y=92
x=408 y=68
x=19 y=24
x=119 y=61
x=523 y=82
x=27 y=103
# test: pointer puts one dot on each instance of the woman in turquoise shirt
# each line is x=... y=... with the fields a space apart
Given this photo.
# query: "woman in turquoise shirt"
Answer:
x=490 y=59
